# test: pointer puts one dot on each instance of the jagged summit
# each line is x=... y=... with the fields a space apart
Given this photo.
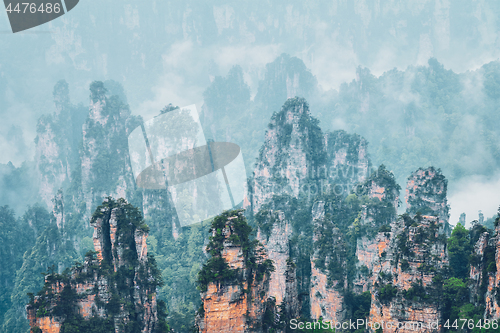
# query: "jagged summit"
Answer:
x=293 y=146
x=299 y=160
x=113 y=290
x=426 y=194
x=235 y=279
x=286 y=77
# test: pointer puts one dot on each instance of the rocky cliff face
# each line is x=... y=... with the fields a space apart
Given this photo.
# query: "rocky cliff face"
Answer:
x=347 y=161
x=297 y=164
x=286 y=77
x=298 y=160
x=478 y=270
x=58 y=136
x=375 y=221
x=84 y=150
x=327 y=301
x=402 y=292
x=98 y=166
x=293 y=147
x=235 y=280
x=404 y=259
x=492 y=277
x=426 y=193
x=105 y=162
x=283 y=286
x=115 y=287
x=326 y=221
x=483 y=274
x=393 y=271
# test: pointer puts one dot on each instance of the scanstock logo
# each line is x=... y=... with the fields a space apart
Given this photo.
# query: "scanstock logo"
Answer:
x=26 y=14
x=204 y=178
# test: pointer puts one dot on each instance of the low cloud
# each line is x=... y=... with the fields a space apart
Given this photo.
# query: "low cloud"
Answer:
x=471 y=194
x=17 y=134
x=188 y=69
x=332 y=61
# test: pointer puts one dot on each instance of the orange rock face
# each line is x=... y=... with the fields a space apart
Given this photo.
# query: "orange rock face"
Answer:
x=492 y=306
x=225 y=309
x=277 y=250
x=404 y=313
x=234 y=306
x=326 y=302
x=387 y=263
x=93 y=285
x=405 y=317
x=372 y=254
x=48 y=325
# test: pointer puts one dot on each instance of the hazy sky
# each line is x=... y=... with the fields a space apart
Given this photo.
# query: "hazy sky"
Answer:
x=168 y=52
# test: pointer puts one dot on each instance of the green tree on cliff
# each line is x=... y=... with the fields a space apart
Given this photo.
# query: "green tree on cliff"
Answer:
x=459 y=250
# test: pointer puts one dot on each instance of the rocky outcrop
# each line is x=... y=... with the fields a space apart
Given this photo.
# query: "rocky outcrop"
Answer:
x=376 y=220
x=396 y=259
x=105 y=162
x=414 y=252
x=84 y=151
x=298 y=162
x=492 y=297
x=347 y=162
x=114 y=288
x=286 y=77
x=283 y=280
x=483 y=274
x=113 y=242
x=326 y=221
x=235 y=280
x=293 y=147
x=327 y=301
x=99 y=166
x=403 y=292
x=426 y=193
x=478 y=269
x=56 y=142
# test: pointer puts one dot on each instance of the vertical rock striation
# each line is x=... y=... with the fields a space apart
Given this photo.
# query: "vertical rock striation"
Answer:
x=376 y=220
x=115 y=287
x=105 y=162
x=426 y=193
x=283 y=280
x=405 y=292
x=492 y=297
x=326 y=299
x=292 y=148
x=298 y=163
x=58 y=136
x=235 y=280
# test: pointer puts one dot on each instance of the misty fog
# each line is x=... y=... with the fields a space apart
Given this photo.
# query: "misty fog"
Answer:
x=164 y=52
